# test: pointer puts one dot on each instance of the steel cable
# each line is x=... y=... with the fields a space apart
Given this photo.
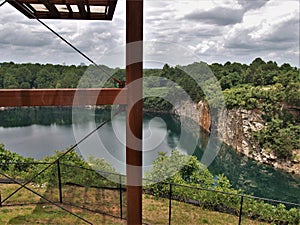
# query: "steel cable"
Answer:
x=59 y=36
x=2 y=3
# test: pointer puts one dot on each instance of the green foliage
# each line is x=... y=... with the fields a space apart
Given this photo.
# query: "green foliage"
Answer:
x=242 y=96
x=71 y=158
x=182 y=78
x=100 y=164
x=279 y=137
x=72 y=167
x=292 y=93
x=39 y=76
x=157 y=104
x=187 y=170
x=182 y=168
x=73 y=170
x=18 y=162
x=187 y=174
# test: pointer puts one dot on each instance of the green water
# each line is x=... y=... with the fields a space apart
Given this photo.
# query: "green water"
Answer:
x=37 y=132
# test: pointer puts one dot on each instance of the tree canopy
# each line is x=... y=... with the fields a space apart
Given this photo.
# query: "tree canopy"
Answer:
x=261 y=85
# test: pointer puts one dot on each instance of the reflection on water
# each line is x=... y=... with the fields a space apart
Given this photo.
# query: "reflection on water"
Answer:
x=37 y=132
x=254 y=177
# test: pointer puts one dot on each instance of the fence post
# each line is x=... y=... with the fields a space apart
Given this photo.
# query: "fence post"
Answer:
x=59 y=182
x=170 y=203
x=121 y=200
x=241 y=210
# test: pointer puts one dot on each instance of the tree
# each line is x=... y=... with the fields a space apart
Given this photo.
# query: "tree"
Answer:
x=257 y=62
x=280 y=138
x=23 y=75
x=288 y=77
x=70 y=79
x=180 y=168
x=10 y=82
x=45 y=79
x=2 y=73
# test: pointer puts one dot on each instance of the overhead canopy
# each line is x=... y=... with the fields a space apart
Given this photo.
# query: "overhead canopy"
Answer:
x=66 y=9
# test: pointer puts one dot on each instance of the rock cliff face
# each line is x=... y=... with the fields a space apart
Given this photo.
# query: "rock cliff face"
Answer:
x=198 y=112
x=236 y=127
x=237 y=130
x=204 y=115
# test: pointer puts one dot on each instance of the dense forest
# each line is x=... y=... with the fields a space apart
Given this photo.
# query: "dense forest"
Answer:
x=247 y=83
x=261 y=85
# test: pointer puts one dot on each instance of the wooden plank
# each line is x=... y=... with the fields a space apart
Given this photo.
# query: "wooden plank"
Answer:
x=61 y=97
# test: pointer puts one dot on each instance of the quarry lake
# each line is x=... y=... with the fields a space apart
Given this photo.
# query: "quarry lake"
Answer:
x=38 y=132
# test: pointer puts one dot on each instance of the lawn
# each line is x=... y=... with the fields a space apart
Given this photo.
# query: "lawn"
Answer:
x=102 y=203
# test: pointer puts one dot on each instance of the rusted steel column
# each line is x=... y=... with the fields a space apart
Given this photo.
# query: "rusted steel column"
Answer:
x=134 y=74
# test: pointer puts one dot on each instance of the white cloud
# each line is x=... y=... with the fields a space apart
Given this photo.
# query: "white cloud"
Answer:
x=215 y=30
x=218 y=16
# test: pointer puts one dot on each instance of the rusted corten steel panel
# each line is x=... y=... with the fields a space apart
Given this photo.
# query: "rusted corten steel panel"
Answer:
x=134 y=75
x=61 y=97
x=66 y=9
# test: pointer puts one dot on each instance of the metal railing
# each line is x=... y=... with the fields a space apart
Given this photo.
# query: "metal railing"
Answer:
x=67 y=178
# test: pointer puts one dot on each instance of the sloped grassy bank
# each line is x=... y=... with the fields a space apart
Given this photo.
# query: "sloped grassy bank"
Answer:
x=192 y=183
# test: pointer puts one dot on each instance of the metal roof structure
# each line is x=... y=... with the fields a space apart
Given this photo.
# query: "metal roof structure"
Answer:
x=66 y=9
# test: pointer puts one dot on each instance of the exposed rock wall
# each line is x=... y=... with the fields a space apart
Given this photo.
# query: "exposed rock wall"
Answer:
x=204 y=115
x=235 y=128
x=237 y=131
x=198 y=112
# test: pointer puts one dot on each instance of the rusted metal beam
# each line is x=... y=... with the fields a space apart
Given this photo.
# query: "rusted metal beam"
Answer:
x=61 y=97
x=134 y=74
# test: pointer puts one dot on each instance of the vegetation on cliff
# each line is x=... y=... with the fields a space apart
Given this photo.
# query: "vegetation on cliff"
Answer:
x=266 y=86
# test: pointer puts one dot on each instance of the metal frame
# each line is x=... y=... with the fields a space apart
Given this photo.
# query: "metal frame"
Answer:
x=66 y=9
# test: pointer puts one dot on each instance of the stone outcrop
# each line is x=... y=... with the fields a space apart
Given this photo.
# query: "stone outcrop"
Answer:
x=235 y=128
x=198 y=112
x=204 y=115
x=238 y=128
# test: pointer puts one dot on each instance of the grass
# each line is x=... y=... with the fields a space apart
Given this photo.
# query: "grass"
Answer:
x=156 y=91
x=155 y=211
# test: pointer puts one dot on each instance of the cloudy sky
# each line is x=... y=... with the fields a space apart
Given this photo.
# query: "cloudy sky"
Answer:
x=175 y=32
